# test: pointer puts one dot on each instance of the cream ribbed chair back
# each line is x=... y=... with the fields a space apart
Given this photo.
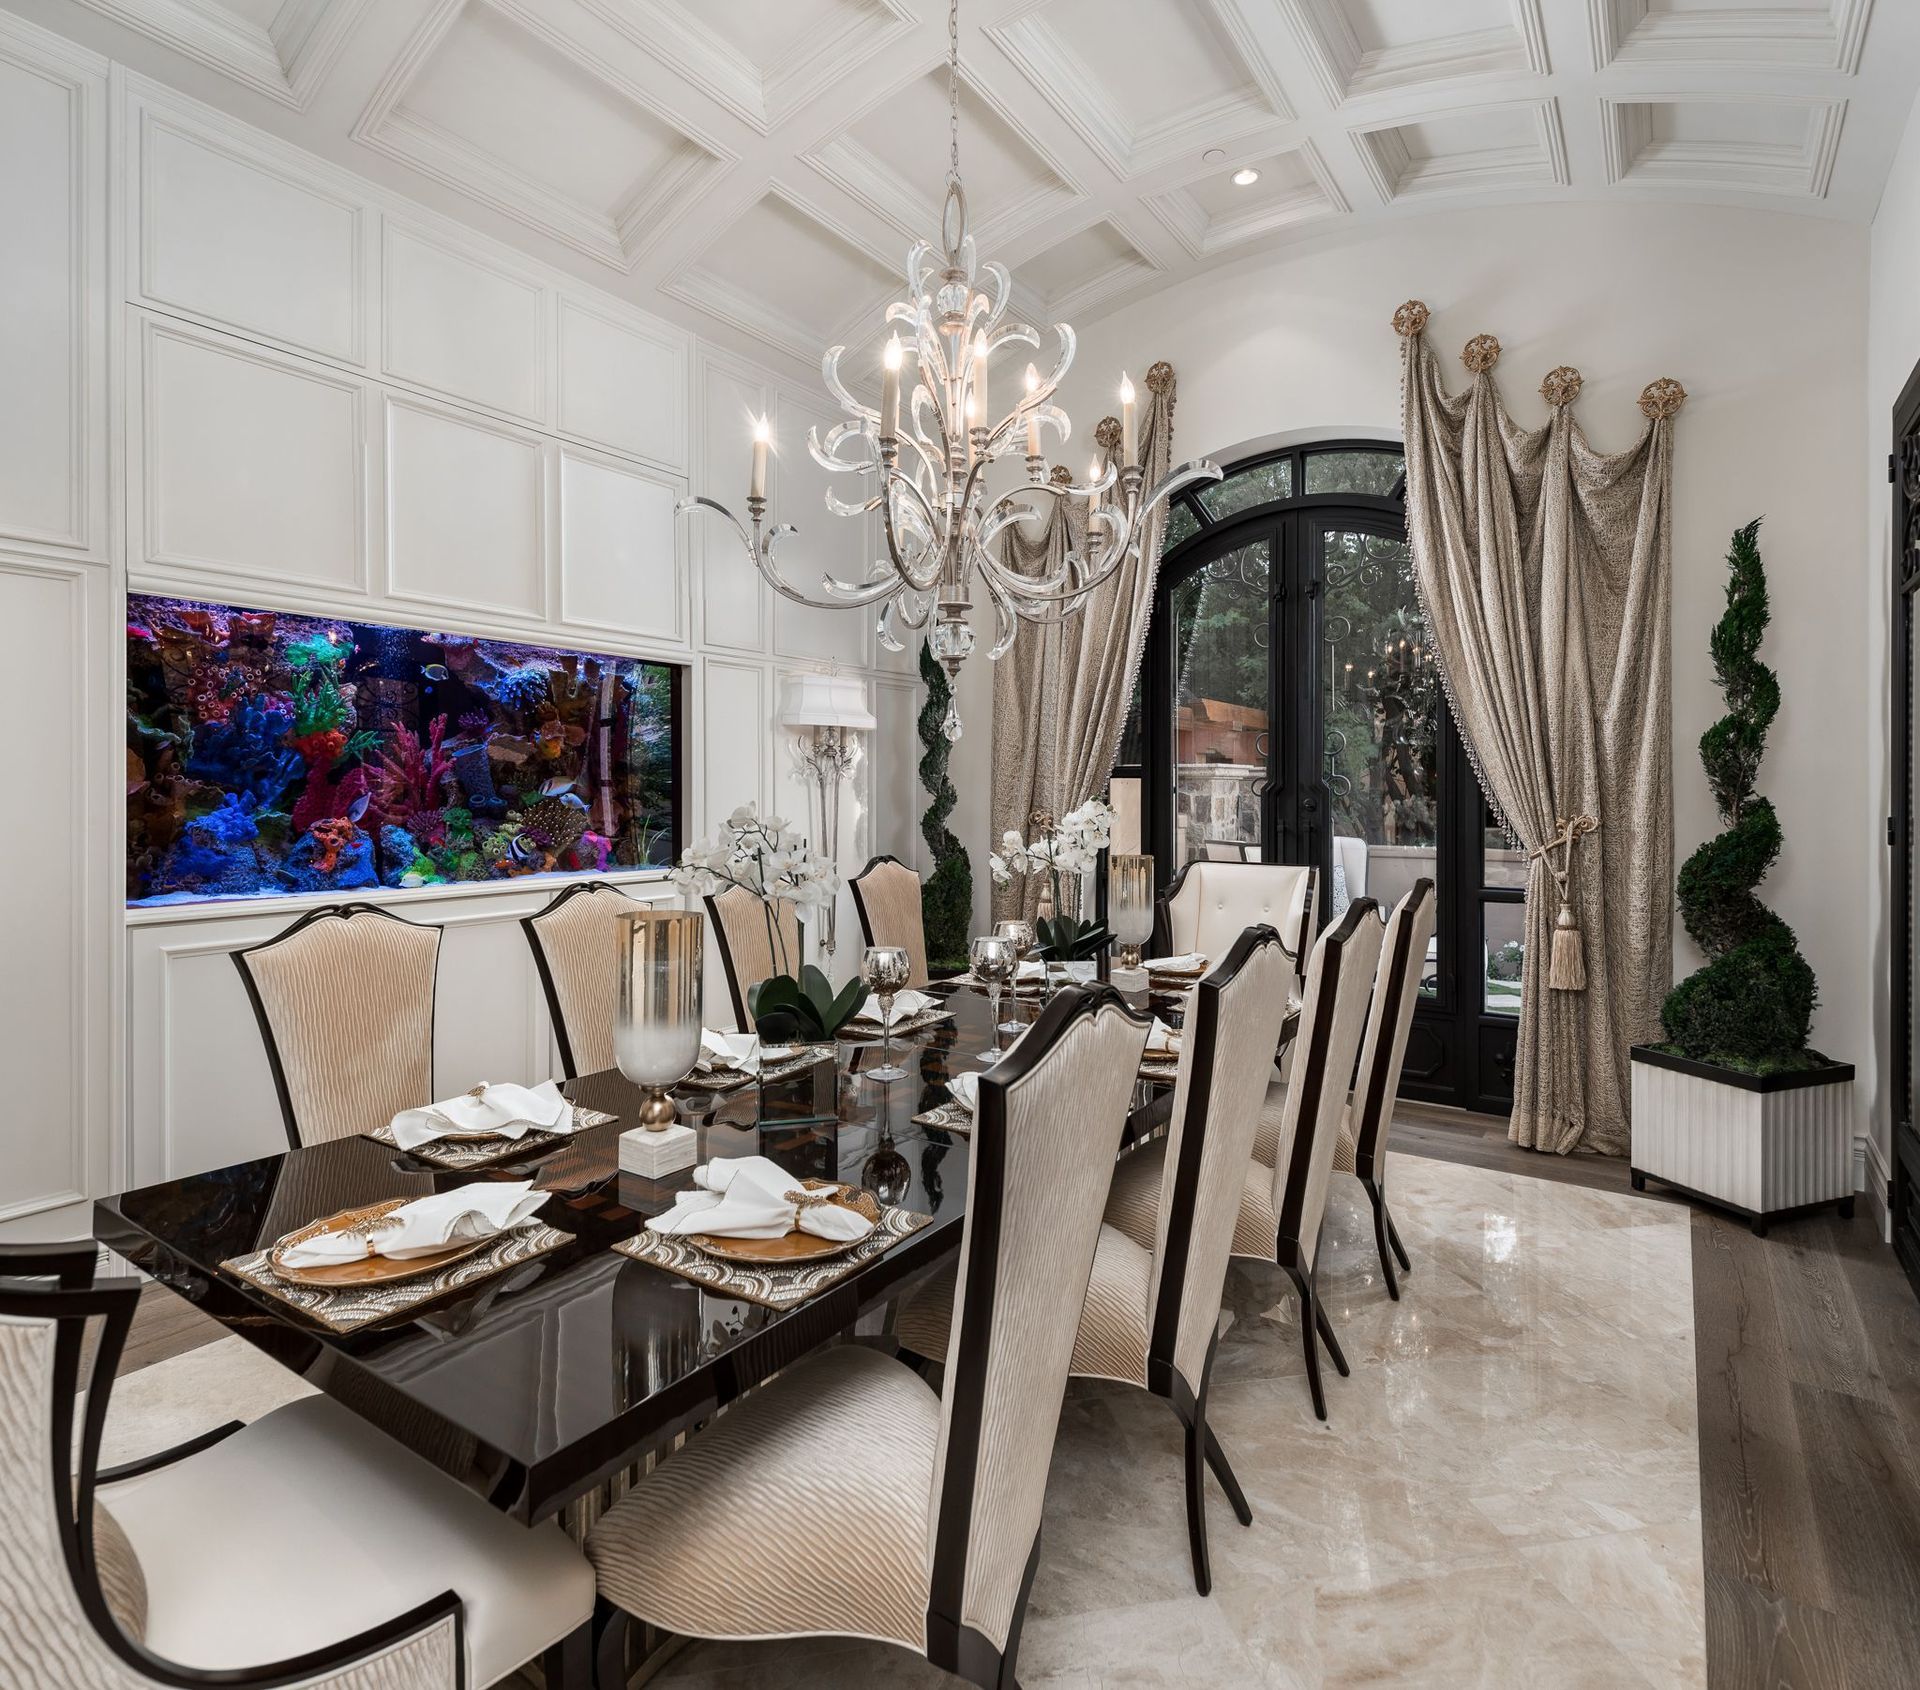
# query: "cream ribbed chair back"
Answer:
x=1046 y=1132
x=738 y=921
x=1233 y=1022
x=575 y=950
x=1396 y=990
x=1210 y=904
x=1332 y=1019
x=73 y=1595
x=344 y=998
x=887 y=894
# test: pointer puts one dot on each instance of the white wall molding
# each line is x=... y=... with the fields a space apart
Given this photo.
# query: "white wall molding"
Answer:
x=287 y=61
x=1817 y=34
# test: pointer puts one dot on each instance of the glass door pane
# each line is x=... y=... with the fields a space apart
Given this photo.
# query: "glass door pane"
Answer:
x=1221 y=686
x=1382 y=726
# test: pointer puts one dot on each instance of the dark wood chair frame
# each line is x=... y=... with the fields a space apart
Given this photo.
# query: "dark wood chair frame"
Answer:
x=72 y=1301
x=1375 y=1108
x=332 y=912
x=1310 y=1073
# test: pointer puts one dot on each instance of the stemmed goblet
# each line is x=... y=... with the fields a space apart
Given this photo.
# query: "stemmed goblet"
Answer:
x=1018 y=934
x=884 y=969
x=993 y=962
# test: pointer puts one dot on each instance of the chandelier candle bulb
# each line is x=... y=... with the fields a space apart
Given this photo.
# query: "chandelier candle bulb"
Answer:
x=980 y=408
x=1094 y=472
x=1033 y=416
x=1129 y=425
x=757 y=487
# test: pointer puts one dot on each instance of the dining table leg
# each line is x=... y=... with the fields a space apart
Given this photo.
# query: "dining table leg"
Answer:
x=568 y=1664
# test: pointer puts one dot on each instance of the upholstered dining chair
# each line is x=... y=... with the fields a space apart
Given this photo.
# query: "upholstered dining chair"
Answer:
x=1152 y=1314
x=844 y=1498
x=572 y=941
x=1207 y=905
x=738 y=922
x=304 y=1549
x=1362 y=1146
x=344 y=998
x=887 y=894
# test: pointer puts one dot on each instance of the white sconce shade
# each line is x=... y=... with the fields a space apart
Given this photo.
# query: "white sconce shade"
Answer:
x=826 y=701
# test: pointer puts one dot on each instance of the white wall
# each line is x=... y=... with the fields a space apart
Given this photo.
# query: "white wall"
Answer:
x=1758 y=314
x=1892 y=350
x=270 y=383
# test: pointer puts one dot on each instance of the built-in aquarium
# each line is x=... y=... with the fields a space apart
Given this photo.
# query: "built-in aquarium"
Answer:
x=270 y=753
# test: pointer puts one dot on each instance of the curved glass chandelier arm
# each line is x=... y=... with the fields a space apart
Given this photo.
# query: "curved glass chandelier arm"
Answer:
x=1185 y=475
x=830 y=374
x=1006 y=624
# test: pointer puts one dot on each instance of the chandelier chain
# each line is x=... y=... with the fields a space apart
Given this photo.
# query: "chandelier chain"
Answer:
x=953 y=91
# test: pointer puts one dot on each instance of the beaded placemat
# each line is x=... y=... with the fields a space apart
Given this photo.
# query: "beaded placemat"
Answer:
x=349 y=1310
x=774 y=1288
x=460 y=1153
x=771 y=1073
x=869 y=1031
x=949 y=1117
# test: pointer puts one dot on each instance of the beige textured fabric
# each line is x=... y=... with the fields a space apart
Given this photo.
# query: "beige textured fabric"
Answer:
x=889 y=892
x=576 y=937
x=1266 y=1136
x=1545 y=571
x=349 y=1002
x=740 y=925
x=1060 y=693
x=1063 y=1121
x=121 y=1581
x=1385 y=1046
x=1216 y=902
x=802 y=1510
x=1343 y=1006
x=48 y=1640
x=1133 y=1200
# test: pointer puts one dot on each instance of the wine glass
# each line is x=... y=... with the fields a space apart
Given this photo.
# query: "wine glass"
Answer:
x=993 y=962
x=884 y=970
x=1018 y=934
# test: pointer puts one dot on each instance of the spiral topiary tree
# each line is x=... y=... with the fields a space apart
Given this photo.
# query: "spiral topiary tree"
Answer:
x=1751 y=1006
x=946 y=900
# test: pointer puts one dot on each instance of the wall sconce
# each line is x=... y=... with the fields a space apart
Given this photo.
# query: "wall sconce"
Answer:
x=824 y=715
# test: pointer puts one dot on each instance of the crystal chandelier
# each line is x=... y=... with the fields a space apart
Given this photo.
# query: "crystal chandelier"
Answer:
x=924 y=457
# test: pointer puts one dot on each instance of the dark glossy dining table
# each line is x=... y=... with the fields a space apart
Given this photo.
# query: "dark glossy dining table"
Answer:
x=562 y=1371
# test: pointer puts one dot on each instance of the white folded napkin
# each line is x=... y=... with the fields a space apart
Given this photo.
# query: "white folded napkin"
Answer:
x=1162 y=1038
x=506 y=1110
x=906 y=1005
x=729 y=1052
x=748 y=1197
x=1031 y=969
x=1079 y=972
x=1185 y=963
x=425 y=1225
x=966 y=1091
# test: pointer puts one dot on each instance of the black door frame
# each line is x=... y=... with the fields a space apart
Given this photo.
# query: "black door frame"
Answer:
x=1459 y=1053
x=1903 y=471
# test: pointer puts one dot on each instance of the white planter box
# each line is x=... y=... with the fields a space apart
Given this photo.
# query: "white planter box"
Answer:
x=1760 y=1146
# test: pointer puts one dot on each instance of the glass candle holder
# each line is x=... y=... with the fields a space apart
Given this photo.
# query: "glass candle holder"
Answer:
x=656 y=1024
x=1130 y=905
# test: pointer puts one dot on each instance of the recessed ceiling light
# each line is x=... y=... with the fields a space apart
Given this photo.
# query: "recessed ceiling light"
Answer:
x=1245 y=176
x=1213 y=155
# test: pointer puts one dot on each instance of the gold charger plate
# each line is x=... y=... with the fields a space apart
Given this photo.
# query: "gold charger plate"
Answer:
x=797 y=1248
x=370 y=1270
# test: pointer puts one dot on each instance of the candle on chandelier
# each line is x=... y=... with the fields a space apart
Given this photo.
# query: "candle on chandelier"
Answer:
x=978 y=410
x=757 y=487
x=1033 y=417
x=890 y=391
x=1093 y=486
x=1129 y=425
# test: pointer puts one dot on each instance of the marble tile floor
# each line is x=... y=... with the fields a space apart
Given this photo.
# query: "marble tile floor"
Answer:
x=1507 y=1492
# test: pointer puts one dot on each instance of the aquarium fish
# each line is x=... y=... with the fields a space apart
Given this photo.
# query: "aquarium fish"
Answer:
x=558 y=785
x=435 y=671
x=523 y=850
x=358 y=807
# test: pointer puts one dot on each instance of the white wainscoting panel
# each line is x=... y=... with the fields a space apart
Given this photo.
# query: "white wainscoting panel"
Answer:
x=56 y=1002
x=733 y=609
x=465 y=501
x=251 y=464
x=201 y=1091
x=622 y=385
x=826 y=544
x=736 y=727
x=52 y=292
x=248 y=242
x=622 y=560
x=462 y=327
x=894 y=750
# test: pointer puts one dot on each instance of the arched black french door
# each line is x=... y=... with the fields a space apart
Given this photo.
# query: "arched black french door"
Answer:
x=1291 y=711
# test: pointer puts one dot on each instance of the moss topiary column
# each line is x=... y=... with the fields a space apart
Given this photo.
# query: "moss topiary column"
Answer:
x=1751 y=1006
x=946 y=900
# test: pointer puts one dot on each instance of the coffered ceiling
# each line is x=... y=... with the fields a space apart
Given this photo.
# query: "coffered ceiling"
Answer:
x=757 y=168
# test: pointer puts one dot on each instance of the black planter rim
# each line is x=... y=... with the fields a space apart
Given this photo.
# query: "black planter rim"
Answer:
x=1833 y=1073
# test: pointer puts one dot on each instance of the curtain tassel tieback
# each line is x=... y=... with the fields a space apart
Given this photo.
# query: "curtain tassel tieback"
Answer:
x=1567 y=958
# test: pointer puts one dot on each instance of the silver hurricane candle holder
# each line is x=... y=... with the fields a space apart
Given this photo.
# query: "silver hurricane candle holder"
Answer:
x=656 y=1026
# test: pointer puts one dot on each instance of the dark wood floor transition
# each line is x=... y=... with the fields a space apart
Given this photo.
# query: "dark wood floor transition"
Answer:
x=1807 y=1350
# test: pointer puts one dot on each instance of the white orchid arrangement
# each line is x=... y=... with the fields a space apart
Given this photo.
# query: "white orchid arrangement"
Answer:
x=1069 y=846
x=764 y=856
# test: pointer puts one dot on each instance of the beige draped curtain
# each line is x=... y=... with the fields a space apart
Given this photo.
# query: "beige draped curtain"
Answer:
x=1544 y=570
x=1060 y=693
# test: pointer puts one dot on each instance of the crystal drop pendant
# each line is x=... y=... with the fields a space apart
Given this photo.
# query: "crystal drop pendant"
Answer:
x=950 y=724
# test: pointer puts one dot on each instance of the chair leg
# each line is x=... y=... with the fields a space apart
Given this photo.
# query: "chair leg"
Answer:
x=568 y=1664
x=1307 y=1311
x=1325 y=1328
x=1393 y=1236
x=1197 y=1506
x=1378 y=1199
x=1217 y=1460
x=610 y=1655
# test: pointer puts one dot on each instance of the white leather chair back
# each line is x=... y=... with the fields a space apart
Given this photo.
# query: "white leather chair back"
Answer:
x=1211 y=904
